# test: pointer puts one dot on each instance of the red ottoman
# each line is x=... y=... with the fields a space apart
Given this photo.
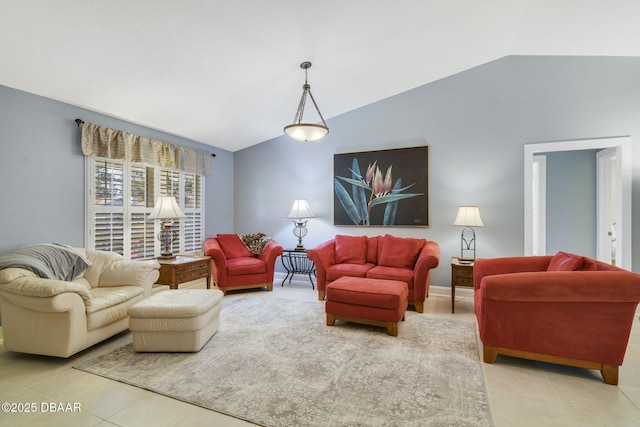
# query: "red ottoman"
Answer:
x=374 y=302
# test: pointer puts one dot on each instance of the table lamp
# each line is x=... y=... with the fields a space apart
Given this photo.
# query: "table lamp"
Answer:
x=468 y=217
x=166 y=210
x=299 y=211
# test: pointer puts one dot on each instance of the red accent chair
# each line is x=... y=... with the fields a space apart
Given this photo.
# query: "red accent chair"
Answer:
x=233 y=266
x=564 y=309
x=385 y=257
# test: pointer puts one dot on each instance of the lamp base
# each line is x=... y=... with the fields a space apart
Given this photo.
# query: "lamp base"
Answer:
x=167 y=256
x=299 y=247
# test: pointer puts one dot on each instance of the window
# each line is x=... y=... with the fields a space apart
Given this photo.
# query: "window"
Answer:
x=120 y=196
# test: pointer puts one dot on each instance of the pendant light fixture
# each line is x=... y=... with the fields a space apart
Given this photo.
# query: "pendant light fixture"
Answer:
x=306 y=131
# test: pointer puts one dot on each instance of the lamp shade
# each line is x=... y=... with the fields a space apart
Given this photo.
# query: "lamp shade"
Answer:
x=166 y=208
x=300 y=209
x=468 y=216
x=306 y=131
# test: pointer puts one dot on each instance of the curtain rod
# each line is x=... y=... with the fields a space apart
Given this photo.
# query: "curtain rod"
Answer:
x=80 y=122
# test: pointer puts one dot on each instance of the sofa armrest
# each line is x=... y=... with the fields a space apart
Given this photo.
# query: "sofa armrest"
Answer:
x=563 y=286
x=493 y=266
x=213 y=249
x=429 y=258
x=323 y=257
x=272 y=251
x=36 y=287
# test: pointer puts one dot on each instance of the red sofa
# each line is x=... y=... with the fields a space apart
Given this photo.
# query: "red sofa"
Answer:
x=380 y=257
x=233 y=266
x=564 y=309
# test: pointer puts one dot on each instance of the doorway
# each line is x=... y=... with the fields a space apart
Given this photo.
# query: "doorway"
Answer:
x=619 y=184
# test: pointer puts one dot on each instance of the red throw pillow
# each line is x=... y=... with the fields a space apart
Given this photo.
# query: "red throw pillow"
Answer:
x=232 y=246
x=351 y=249
x=588 y=264
x=563 y=261
x=400 y=252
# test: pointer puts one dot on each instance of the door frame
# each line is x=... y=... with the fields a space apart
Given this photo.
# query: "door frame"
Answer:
x=622 y=146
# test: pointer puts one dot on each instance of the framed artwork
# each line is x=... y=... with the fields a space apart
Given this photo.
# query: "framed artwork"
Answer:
x=382 y=188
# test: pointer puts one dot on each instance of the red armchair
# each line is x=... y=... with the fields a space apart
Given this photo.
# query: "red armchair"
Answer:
x=563 y=309
x=387 y=257
x=233 y=266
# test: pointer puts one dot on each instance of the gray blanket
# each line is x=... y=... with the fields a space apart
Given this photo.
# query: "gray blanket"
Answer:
x=47 y=260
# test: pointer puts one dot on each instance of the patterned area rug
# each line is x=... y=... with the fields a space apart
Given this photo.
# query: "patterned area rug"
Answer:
x=274 y=362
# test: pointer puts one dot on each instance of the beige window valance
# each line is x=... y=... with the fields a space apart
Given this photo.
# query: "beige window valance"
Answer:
x=100 y=141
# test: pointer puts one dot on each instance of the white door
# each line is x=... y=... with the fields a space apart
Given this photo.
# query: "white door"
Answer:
x=607 y=206
x=623 y=173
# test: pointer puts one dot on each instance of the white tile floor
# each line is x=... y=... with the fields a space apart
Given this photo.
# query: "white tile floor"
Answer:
x=522 y=393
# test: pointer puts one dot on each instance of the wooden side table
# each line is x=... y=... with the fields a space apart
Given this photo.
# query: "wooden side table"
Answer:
x=461 y=275
x=183 y=269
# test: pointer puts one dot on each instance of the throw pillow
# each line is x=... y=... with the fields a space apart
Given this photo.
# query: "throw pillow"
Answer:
x=588 y=264
x=400 y=252
x=351 y=249
x=232 y=246
x=563 y=261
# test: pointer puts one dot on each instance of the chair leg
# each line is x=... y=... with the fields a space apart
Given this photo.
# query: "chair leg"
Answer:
x=490 y=353
x=320 y=295
x=610 y=374
x=419 y=305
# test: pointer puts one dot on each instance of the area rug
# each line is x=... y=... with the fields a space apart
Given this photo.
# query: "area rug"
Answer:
x=274 y=362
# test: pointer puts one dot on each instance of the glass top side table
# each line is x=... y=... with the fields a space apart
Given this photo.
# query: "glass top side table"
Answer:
x=296 y=262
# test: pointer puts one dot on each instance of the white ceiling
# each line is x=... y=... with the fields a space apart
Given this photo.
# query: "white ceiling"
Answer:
x=226 y=72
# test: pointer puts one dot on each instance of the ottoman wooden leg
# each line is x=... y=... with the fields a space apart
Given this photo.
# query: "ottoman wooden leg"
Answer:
x=392 y=329
x=331 y=319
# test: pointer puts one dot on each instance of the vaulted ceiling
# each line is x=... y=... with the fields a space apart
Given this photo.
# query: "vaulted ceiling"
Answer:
x=226 y=72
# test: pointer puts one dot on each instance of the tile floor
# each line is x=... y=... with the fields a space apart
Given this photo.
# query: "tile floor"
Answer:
x=522 y=393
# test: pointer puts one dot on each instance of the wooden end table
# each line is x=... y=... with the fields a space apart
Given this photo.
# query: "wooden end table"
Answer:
x=184 y=268
x=461 y=275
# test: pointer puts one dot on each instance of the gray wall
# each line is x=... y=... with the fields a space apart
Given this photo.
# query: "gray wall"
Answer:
x=571 y=202
x=42 y=171
x=475 y=124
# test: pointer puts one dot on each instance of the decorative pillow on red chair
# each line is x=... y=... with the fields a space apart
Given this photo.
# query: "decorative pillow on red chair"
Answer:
x=400 y=252
x=351 y=249
x=232 y=246
x=563 y=261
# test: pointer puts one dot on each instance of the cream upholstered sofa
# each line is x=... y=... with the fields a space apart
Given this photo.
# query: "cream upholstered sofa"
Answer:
x=61 y=317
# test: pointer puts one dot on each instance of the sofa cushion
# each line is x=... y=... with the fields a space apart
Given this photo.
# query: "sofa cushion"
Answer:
x=232 y=246
x=372 y=249
x=240 y=266
x=391 y=273
x=351 y=249
x=563 y=261
x=400 y=252
x=353 y=270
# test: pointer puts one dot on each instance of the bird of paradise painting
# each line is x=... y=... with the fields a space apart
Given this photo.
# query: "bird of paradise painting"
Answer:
x=384 y=187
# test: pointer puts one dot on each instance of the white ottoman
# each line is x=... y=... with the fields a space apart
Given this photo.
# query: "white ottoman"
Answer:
x=176 y=320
